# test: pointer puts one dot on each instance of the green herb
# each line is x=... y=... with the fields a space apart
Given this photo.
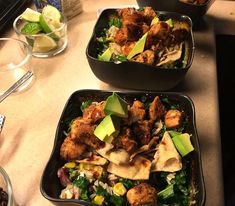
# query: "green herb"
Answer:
x=114 y=21
x=84 y=194
x=73 y=174
x=85 y=105
x=128 y=183
x=140 y=9
x=167 y=192
x=81 y=182
x=31 y=28
x=117 y=200
x=101 y=191
x=120 y=58
x=146 y=102
x=169 y=104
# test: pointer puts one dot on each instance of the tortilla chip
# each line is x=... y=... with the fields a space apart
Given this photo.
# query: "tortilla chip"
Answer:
x=171 y=56
x=145 y=148
x=119 y=156
x=138 y=169
x=166 y=157
x=94 y=160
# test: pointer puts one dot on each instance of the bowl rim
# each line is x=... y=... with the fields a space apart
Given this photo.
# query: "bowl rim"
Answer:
x=128 y=92
x=138 y=63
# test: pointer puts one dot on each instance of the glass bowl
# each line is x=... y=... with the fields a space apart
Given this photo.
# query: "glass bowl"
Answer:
x=44 y=44
x=5 y=185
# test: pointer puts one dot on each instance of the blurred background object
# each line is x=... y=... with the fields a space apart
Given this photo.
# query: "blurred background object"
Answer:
x=70 y=8
x=9 y=10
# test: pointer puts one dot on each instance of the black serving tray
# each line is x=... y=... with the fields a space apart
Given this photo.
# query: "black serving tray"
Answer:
x=50 y=185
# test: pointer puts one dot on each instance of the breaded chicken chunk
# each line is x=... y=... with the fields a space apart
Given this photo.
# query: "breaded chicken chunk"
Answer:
x=173 y=118
x=142 y=194
x=70 y=150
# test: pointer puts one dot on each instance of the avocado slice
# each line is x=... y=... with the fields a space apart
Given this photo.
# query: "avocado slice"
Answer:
x=183 y=144
x=139 y=46
x=170 y=23
x=116 y=105
x=154 y=20
x=106 y=55
x=108 y=128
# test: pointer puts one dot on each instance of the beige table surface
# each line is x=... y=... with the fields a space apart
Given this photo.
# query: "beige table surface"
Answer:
x=32 y=116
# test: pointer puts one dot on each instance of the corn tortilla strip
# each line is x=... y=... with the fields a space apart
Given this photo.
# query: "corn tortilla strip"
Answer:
x=145 y=148
x=94 y=160
x=138 y=169
x=118 y=157
x=166 y=157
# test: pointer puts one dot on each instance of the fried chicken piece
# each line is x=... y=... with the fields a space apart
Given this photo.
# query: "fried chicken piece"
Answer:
x=95 y=112
x=149 y=13
x=71 y=150
x=130 y=32
x=142 y=194
x=125 y=140
x=157 y=32
x=126 y=49
x=121 y=36
x=83 y=131
x=142 y=131
x=135 y=113
x=133 y=26
x=76 y=124
x=146 y=57
x=173 y=118
x=130 y=16
x=156 y=109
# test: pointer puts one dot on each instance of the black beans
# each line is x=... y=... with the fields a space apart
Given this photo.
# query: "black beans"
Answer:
x=3 y=197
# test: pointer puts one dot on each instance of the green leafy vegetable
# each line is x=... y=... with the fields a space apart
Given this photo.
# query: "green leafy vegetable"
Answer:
x=31 y=28
x=114 y=21
x=128 y=183
x=167 y=192
x=85 y=105
x=81 y=182
x=117 y=200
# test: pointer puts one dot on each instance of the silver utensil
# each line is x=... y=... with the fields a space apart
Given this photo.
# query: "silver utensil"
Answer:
x=2 y=119
x=22 y=80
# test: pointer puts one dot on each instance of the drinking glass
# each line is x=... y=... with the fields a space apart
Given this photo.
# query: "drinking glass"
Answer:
x=15 y=61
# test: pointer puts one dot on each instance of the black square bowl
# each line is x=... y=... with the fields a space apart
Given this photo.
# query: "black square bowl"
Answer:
x=194 y=11
x=50 y=185
x=134 y=75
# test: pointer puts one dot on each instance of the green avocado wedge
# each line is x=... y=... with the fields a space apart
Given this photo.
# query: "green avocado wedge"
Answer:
x=116 y=105
x=139 y=46
x=108 y=128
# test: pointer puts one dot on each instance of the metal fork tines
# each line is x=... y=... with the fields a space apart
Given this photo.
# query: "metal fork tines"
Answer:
x=2 y=119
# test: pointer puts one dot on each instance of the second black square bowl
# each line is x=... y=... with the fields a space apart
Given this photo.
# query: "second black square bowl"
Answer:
x=134 y=75
x=50 y=185
x=194 y=11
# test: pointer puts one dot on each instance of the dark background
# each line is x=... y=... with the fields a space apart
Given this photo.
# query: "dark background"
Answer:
x=225 y=55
